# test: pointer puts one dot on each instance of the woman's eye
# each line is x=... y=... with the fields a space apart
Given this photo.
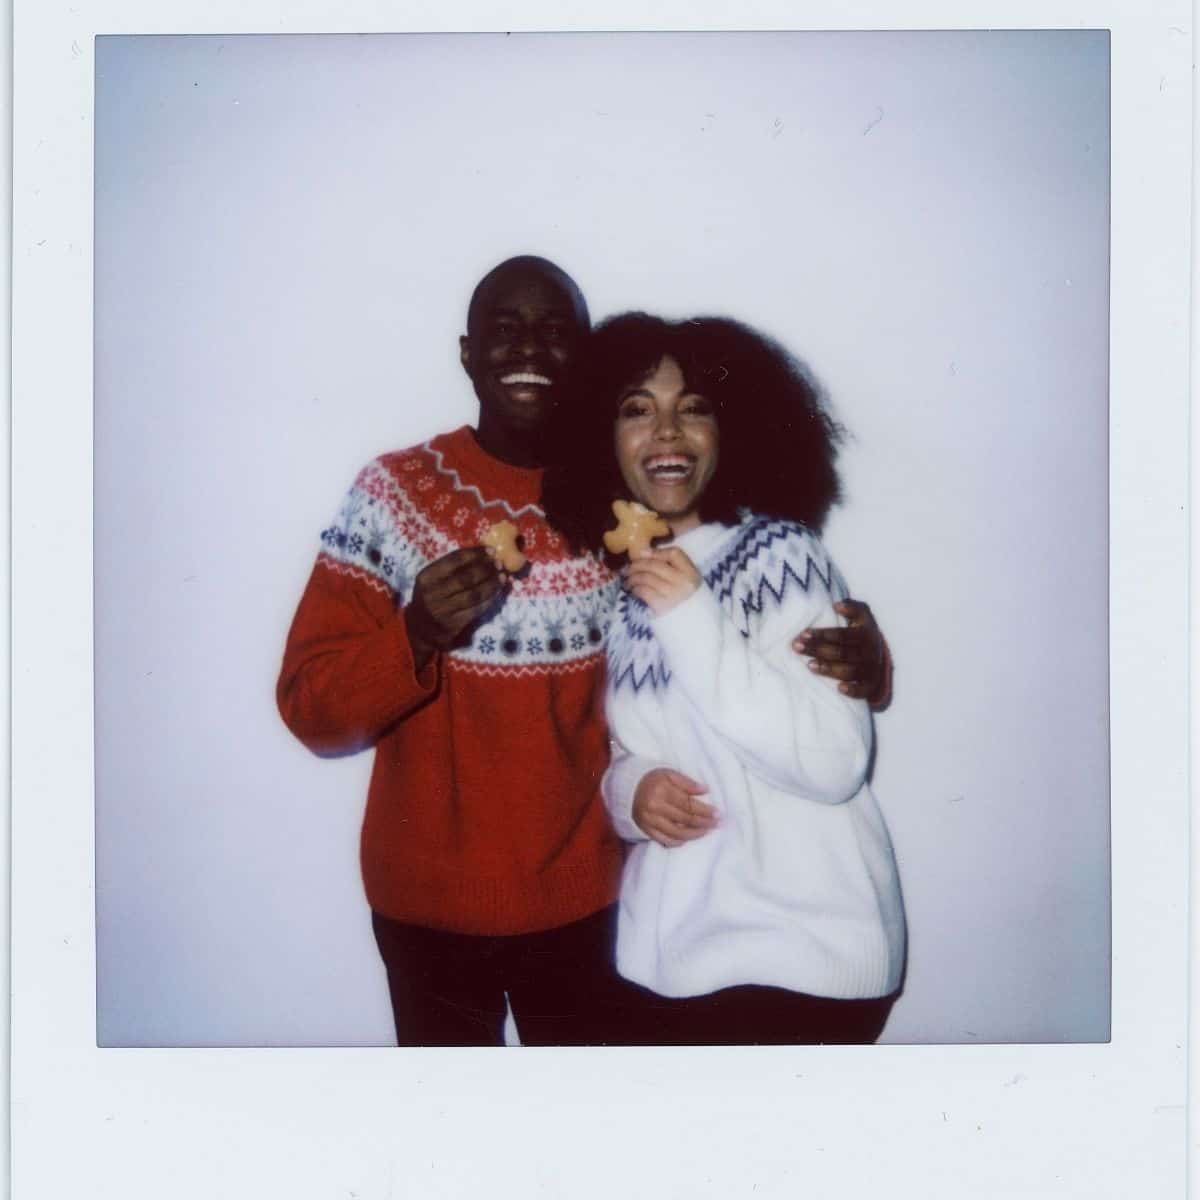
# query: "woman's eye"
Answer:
x=631 y=408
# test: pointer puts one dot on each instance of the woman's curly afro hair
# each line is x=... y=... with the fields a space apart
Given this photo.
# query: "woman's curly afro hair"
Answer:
x=777 y=443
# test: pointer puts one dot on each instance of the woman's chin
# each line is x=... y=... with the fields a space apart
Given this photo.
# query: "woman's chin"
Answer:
x=666 y=502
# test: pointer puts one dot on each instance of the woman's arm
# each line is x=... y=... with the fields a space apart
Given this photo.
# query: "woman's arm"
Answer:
x=788 y=724
x=649 y=801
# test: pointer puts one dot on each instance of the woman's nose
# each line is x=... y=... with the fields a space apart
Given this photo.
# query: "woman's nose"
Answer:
x=667 y=426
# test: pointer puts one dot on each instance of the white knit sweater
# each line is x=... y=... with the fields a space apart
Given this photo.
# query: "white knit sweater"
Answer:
x=797 y=886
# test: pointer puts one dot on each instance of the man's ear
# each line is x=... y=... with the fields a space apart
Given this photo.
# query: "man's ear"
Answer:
x=464 y=353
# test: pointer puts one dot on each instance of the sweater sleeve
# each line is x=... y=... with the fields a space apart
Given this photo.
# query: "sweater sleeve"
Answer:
x=348 y=672
x=787 y=724
x=619 y=785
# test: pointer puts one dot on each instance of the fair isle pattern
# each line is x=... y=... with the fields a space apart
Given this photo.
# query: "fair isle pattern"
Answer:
x=634 y=657
x=354 y=572
x=407 y=509
x=754 y=567
x=769 y=556
x=491 y=670
x=456 y=482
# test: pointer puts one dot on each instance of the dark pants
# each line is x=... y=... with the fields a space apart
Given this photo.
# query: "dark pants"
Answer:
x=753 y=1015
x=448 y=989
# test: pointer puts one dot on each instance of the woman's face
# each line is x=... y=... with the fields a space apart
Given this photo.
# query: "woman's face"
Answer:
x=666 y=443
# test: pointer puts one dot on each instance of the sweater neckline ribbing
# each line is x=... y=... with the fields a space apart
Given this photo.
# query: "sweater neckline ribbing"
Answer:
x=700 y=542
x=462 y=452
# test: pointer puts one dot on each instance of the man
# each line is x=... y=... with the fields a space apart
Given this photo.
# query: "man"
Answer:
x=487 y=858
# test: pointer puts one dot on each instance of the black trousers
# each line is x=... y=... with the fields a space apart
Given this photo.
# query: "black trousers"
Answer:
x=755 y=1015
x=449 y=989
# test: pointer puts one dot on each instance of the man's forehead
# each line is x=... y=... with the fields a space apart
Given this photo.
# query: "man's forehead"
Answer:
x=530 y=287
x=519 y=288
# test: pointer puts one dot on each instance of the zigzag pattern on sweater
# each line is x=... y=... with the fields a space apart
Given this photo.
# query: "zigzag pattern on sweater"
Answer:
x=353 y=572
x=766 y=559
x=634 y=657
x=457 y=484
x=779 y=545
x=494 y=670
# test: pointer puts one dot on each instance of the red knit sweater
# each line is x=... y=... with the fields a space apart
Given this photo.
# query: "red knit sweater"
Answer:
x=483 y=814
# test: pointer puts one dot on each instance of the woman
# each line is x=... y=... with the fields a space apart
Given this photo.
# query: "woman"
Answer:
x=769 y=910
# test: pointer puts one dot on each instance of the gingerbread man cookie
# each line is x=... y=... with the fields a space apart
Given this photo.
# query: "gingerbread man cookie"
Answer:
x=501 y=542
x=637 y=527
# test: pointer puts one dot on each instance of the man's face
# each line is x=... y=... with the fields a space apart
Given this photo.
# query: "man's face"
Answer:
x=519 y=350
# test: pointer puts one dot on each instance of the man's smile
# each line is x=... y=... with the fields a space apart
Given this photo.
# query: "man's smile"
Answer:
x=511 y=378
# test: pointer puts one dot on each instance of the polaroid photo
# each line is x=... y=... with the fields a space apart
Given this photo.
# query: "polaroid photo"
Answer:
x=257 y=392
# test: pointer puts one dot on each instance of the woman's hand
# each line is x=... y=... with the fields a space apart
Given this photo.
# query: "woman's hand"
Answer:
x=662 y=579
x=667 y=810
x=856 y=655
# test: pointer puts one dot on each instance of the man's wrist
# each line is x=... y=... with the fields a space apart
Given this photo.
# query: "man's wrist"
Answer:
x=421 y=649
x=881 y=696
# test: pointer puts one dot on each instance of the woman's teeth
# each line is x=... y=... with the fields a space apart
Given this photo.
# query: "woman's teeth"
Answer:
x=669 y=468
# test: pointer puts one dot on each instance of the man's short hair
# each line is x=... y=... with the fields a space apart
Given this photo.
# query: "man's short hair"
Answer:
x=530 y=264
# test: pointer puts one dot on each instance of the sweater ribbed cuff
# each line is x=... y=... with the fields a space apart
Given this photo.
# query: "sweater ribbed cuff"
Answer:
x=401 y=669
x=619 y=788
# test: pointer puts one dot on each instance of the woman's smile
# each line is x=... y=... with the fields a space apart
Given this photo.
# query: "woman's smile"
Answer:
x=669 y=468
x=666 y=442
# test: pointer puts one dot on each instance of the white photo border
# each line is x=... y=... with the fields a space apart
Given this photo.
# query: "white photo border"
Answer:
x=928 y=1121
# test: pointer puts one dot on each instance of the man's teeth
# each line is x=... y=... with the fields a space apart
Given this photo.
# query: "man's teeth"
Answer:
x=524 y=377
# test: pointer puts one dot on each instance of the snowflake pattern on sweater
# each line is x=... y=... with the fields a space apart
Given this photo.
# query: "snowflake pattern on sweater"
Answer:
x=754 y=571
x=412 y=507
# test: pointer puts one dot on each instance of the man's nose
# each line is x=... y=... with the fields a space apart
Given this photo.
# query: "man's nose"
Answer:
x=529 y=343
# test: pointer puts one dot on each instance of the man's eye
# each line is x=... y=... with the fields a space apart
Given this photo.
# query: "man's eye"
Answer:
x=556 y=332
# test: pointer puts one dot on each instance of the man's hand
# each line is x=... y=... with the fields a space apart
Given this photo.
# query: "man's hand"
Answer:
x=449 y=598
x=856 y=655
x=666 y=808
x=662 y=578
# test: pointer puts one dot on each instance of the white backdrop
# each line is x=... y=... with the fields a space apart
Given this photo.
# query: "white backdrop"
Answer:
x=287 y=232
